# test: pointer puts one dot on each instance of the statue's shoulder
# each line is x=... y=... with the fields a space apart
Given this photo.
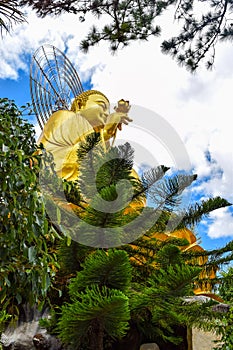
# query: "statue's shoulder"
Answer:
x=65 y=119
x=59 y=117
x=65 y=127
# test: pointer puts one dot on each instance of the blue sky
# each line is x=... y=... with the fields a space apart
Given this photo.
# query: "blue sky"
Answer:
x=196 y=107
x=17 y=90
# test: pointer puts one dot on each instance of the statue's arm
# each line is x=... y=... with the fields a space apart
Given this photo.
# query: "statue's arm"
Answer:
x=114 y=122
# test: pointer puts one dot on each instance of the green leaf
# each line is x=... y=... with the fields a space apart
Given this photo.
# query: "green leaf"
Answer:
x=18 y=298
x=31 y=254
x=7 y=281
x=58 y=215
x=45 y=283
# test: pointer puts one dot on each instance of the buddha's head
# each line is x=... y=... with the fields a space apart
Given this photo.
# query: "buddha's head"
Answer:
x=94 y=106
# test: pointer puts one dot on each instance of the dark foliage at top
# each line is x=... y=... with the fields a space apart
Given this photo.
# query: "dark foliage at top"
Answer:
x=202 y=24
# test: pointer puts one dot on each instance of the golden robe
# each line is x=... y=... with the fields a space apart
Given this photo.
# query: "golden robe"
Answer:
x=61 y=137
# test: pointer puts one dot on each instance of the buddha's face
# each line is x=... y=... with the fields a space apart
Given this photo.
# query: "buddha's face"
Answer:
x=96 y=111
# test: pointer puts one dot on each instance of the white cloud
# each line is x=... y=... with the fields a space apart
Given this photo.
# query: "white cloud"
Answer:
x=221 y=224
x=26 y=38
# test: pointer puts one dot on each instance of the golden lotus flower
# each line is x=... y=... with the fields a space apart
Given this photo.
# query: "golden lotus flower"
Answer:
x=122 y=106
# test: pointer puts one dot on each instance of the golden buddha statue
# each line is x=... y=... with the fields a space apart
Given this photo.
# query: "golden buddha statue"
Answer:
x=65 y=129
x=62 y=135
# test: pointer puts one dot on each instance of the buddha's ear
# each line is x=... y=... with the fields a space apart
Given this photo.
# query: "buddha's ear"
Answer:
x=80 y=105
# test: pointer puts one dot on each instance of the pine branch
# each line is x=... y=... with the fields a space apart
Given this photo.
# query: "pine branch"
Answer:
x=101 y=171
x=9 y=14
x=175 y=281
x=198 y=36
x=148 y=179
x=111 y=269
x=167 y=193
x=136 y=20
x=196 y=212
x=81 y=319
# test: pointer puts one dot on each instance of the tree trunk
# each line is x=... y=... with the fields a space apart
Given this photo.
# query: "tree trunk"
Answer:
x=96 y=335
x=132 y=340
x=189 y=338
